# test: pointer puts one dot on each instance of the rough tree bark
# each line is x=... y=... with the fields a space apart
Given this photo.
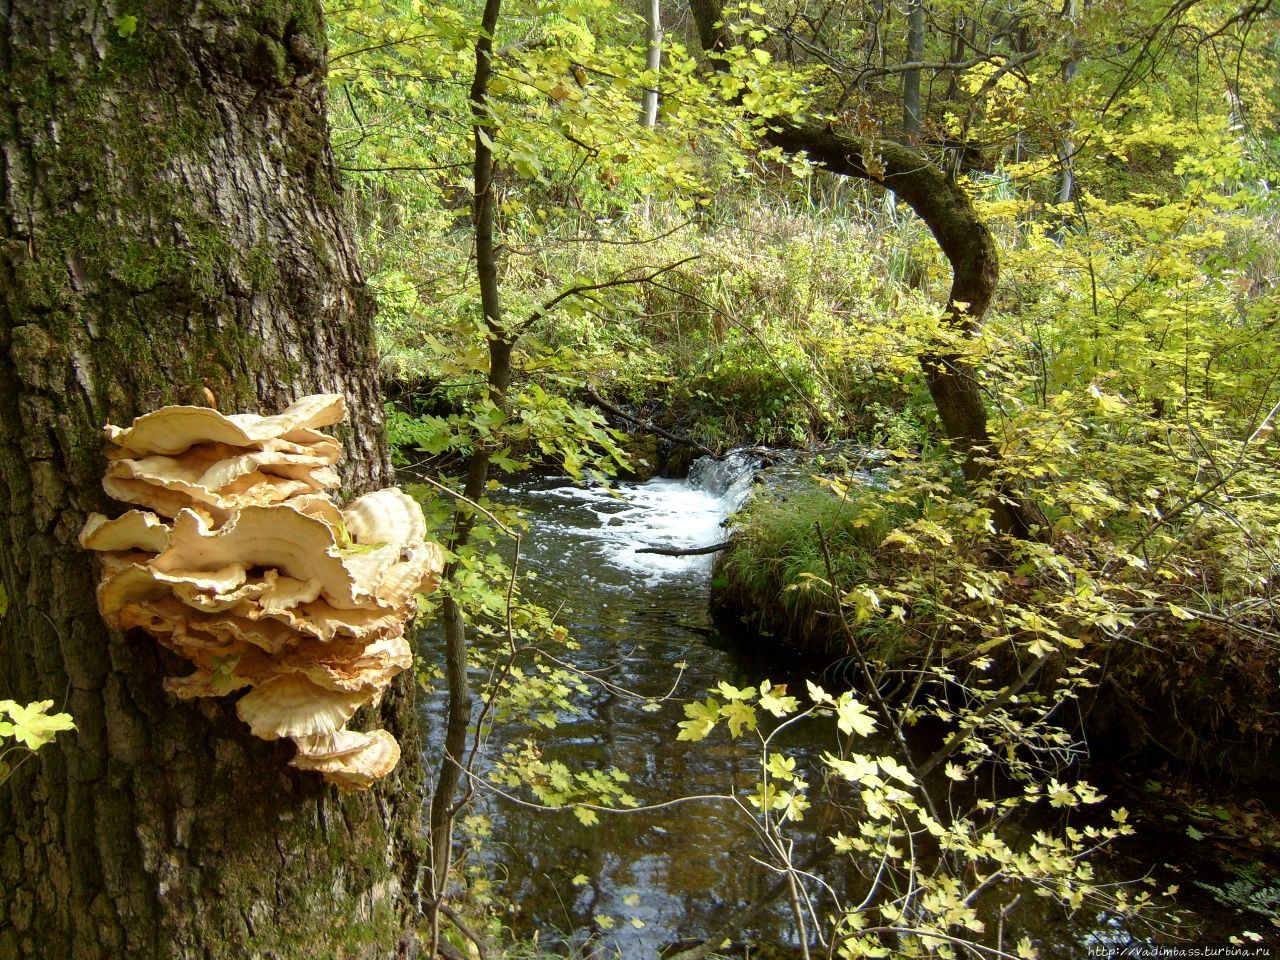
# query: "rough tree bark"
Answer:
x=965 y=241
x=170 y=222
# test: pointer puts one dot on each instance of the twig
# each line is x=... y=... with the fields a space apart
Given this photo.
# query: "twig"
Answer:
x=471 y=503
x=934 y=935
x=618 y=281
x=645 y=425
x=743 y=917
x=403 y=169
x=960 y=736
x=465 y=930
x=603 y=241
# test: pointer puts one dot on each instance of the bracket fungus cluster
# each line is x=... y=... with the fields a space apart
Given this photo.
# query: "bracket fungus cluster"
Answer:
x=241 y=562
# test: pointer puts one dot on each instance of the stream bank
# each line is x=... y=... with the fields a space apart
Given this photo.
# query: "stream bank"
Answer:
x=1199 y=696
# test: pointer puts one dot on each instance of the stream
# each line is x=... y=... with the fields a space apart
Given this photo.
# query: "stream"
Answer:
x=637 y=881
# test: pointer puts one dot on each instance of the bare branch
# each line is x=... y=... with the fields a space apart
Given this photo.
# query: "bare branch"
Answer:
x=620 y=280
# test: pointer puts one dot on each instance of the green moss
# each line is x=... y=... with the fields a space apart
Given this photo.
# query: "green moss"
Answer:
x=303 y=919
x=143 y=266
x=263 y=34
x=260 y=266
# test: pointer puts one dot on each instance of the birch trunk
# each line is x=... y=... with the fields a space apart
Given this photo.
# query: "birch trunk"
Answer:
x=912 y=114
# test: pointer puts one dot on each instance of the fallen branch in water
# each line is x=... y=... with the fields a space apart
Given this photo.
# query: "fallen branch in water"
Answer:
x=645 y=425
x=686 y=551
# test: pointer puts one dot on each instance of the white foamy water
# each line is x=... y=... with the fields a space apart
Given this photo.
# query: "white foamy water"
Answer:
x=671 y=514
x=659 y=513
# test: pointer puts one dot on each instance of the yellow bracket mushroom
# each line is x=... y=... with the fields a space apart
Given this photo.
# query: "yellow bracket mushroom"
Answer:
x=242 y=563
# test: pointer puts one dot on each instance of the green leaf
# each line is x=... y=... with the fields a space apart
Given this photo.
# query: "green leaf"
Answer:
x=852 y=717
x=816 y=693
x=857 y=769
x=730 y=692
x=740 y=716
x=702 y=719
x=31 y=725
x=126 y=25
x=224 y=674
x=774 y=699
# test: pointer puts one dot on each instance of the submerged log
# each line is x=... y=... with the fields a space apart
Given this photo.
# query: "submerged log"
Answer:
x=686 y=551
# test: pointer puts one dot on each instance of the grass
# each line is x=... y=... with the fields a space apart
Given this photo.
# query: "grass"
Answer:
x=777 y=569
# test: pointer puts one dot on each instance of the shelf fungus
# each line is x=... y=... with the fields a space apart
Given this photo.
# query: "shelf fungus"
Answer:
x=238 y=559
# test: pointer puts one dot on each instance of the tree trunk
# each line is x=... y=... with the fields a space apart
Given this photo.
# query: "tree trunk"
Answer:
x=965 y=241
x=501 y=344
x=1067 y=149
x=911 y=107
x=171 y=223
x=653 y=61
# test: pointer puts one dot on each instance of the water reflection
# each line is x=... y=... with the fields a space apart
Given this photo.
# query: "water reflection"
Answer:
x=663 y=875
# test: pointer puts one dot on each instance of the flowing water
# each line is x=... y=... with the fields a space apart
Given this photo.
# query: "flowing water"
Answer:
x=637 y=881
x=643 y=623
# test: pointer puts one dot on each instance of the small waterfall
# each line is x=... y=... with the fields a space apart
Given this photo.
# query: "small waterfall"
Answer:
x=728 y=478
x=607 y=525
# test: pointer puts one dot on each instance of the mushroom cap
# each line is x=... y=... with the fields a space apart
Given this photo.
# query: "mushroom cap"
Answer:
x=133 y=530
x=384 y=516
x=348 y=759
x=206 y=471
x=304 y=547
x=168 y=491
x=277 y=537
x=291 y=705
x=203 y=683
x=126 y=585
x=171 y=430
x=167 y=503
x=369 y=671
x=261 y=580
x=392 y=518
x=318 y=505
x=329 y=624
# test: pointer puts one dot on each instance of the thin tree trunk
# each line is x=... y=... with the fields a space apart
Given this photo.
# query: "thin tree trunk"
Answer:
x=653 y=61
x=1067 y=149
x=965 y=241
x=911 y=107
x=170 y=223
x=500 y=348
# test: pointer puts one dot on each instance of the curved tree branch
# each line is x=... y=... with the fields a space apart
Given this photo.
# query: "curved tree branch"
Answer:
x=964 y=240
